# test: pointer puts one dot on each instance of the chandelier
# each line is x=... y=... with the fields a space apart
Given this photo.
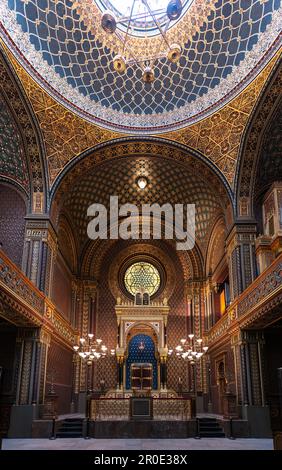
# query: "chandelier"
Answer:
x=141 y=10
x=190 y=349
x=91 y=349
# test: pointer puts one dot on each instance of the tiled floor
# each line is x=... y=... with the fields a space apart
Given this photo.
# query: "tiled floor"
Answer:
x=137 y=444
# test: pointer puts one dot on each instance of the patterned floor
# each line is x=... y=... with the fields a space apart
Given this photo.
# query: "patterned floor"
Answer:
x=138 y=444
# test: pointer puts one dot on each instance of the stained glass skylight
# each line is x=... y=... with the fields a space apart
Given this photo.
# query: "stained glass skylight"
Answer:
x=142 y=277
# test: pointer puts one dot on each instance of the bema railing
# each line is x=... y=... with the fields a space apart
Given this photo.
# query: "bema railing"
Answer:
x=118 y=409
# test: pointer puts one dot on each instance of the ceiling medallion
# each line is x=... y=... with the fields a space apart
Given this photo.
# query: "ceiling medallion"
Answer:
x=145 y=38
x=141 y=13
x=142 y=182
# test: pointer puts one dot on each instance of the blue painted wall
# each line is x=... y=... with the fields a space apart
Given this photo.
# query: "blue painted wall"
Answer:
x=147 y=355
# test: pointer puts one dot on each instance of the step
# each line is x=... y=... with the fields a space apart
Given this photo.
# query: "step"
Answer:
x=71 y=428
x=208 y=434
x=71 y=434
x=72 y=425
x=209 y=425
x=210 y=429
x=208 y=420
x=73 y=420
x=70 y=431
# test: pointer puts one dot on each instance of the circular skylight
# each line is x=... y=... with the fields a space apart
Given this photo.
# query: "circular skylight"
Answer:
x=142 y=23
x=63 y=46
x=142 y=277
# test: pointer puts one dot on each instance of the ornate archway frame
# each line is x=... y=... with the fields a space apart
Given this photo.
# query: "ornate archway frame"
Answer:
x=155 y=335
x=138 y=252
x=251 y=144
x=135 y=146
x=30 y=134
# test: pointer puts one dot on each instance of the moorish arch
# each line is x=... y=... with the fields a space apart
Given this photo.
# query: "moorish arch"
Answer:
x=251 y=143
x=175 y=174
x=28 y=167
x=133 y=145
x=93 y=328
x=94 y=252
x=216 y=246
x=76 y=187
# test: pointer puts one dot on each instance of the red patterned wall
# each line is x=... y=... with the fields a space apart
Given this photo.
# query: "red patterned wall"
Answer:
x=176 y=328
x=59 y=369
x=12 y=223
x=8 y=334
x=61 y=291
x=223 y=354
x=107 y=324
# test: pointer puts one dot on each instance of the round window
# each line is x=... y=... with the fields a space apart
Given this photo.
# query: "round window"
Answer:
x=142 y=277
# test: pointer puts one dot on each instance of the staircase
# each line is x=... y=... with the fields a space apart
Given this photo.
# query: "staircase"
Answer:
x=209 y=427
x=71 y=427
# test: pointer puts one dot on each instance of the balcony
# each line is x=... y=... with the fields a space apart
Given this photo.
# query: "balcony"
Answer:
x=24 y=305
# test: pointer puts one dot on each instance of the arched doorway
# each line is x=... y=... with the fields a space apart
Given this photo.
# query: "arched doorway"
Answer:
x=141 y=350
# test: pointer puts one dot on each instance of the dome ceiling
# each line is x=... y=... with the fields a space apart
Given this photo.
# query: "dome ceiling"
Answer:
x=12 y=157
x=167 y=182
x=224 y=45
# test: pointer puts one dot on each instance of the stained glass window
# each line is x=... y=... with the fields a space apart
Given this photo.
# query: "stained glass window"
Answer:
x=142 y=277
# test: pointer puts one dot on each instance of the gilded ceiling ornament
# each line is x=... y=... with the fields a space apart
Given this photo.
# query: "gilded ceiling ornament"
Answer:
x=218 y=137
x=225 y=53
x=180 y=32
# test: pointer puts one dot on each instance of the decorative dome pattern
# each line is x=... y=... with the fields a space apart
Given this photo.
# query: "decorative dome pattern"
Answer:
x=167 y=181
x=228 y=44
x=12 y=158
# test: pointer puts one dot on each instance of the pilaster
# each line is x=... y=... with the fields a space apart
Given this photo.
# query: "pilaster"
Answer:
x=40 y=249
x=240 y=247
x=252 y=389
x=31 y=355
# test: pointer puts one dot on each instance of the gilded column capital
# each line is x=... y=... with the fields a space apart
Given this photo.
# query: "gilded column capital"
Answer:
x=240 y=234
x=90 y=288
x=45 y=336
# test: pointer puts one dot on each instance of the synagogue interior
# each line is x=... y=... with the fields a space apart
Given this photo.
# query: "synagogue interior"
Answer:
x=132 y=104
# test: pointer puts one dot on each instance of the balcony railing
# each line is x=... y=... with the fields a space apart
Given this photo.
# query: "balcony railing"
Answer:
x=19 y=286
x=267 y=286
x=118 y=409
x=29 y=303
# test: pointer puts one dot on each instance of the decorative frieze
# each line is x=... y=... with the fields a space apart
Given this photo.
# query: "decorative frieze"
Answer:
x=267 y=284
x=23 y=304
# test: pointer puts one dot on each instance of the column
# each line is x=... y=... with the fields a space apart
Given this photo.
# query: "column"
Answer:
x=251 y=370
x=253 y=342
x=88 y=323
x=40 y=248
x=31 y=354
x=74 y=315
x=31 y=357
x=241 y=257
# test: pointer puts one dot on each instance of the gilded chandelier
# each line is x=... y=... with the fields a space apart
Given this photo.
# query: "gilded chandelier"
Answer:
x=191 y=349
x=109 y=23
x=91 y=350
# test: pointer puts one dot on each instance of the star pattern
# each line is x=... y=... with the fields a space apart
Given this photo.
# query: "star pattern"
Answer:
x=142 y=276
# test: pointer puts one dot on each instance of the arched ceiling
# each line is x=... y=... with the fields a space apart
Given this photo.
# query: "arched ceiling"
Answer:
x=168 y=182
x=21 y=148
x=224 y=46
x=12 y=156
x=257 y=133
x=269 y=165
